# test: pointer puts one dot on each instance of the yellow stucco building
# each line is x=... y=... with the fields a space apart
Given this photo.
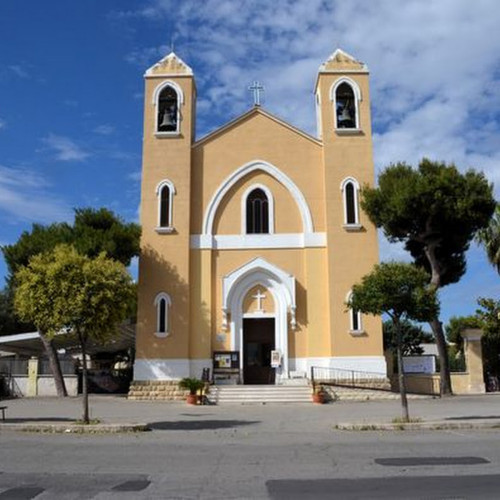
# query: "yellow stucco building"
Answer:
x=253 y=235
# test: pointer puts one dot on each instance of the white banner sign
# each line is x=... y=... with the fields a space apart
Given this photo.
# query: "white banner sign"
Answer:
x=419 y=364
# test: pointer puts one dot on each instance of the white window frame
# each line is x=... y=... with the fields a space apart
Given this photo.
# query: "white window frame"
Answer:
x=180 y=100
x=356 y=226
x=357 y=99
x=359 y=331
x=270 y=201
x=319 y=125
x=168 y=304
x=169 y=228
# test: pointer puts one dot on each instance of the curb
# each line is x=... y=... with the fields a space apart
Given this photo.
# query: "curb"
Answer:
x=417 y=426
x=75 y=428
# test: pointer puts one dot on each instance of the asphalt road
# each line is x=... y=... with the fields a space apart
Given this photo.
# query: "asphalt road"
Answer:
x=219 y=456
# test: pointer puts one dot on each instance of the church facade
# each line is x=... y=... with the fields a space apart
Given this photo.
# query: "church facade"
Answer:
x=253 y=236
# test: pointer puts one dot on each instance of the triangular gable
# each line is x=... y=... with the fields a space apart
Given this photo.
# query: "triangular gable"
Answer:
x=256 y=110
x=171 y=64
x=340 y=60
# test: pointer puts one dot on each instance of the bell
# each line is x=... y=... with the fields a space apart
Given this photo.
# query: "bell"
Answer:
x=345 y=116
x=167 y=120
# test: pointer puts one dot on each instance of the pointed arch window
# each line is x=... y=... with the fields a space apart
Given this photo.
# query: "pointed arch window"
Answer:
x=167 y=99
x=258 y=210
x=346 y=96
x=350 y=195
x=162 y=304
x=167 y=118
x=165 y=192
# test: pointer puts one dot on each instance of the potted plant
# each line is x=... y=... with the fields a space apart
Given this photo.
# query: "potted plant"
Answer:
x=193 y=385
x=319 y=394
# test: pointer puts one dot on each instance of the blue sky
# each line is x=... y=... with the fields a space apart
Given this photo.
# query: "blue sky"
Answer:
x=71 y=92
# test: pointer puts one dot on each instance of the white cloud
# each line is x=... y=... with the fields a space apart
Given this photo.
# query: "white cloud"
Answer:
x=104 y=129
x=23 y=197
x=434 y=67
x=19 y=70
x=65 y=149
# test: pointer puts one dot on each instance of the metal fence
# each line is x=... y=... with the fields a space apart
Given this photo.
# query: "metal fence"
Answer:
x=348 y=378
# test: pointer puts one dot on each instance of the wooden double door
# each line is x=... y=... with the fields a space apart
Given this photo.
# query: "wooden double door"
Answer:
x=258 y=342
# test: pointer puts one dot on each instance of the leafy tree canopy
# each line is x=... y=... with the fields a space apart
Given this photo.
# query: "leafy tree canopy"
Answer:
x=457 y=324
x=489 y=316
x=94 y=231
x=397 y=289
x=412 y=337
x=64 y=289
x=9 y=323
x=489 y=237
x=435 y=210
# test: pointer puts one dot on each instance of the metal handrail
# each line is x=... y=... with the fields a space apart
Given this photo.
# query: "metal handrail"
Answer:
x=346 y=378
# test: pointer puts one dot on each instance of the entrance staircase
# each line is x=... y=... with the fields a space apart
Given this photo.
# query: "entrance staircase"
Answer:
x=263 y=394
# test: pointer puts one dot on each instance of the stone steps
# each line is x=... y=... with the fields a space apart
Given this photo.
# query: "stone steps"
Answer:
x=246 y=394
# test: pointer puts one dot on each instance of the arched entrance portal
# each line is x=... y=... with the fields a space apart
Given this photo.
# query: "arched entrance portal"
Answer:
x=255 y=330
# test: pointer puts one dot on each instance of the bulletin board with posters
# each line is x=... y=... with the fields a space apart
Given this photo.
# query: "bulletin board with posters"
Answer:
x=226 y=366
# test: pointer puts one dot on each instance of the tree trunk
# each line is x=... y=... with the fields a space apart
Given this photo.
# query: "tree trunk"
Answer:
x=85 y=391
x=444 y=373
x=437 y=326
x=401 y=372
x=55 y=366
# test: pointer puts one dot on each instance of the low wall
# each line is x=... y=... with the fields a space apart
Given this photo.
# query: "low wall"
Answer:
x=45 y=385
x=429 y=384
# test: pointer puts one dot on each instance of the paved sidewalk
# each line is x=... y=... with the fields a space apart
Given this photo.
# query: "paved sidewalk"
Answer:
x=118 y=413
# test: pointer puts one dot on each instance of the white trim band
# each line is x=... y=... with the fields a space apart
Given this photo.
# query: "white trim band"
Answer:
x=249 y=241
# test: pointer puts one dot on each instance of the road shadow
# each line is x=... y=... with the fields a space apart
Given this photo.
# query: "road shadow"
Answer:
x=37 y=419
x=199 y=425
x=475 y=417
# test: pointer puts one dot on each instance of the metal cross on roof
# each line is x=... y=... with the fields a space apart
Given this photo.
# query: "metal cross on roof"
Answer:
x=256 y=88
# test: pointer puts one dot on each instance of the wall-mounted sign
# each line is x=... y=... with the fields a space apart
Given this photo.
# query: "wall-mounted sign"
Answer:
x=419 y=364
x=275 y=359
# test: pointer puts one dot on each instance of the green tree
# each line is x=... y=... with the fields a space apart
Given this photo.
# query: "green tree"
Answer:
x=412 y=336
x=93 y=231
x=64 y=290
x=9 y=322
x=436 y=211
x=489 y=237
x=457 y=324
x=400 y=291
x=488 y=315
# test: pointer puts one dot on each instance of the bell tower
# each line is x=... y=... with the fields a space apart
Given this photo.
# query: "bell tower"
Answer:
x=344 y=124
x=163 y=307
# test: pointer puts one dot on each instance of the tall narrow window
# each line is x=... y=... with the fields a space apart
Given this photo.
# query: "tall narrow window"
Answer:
x=165 y=192
x=350 y=189
x=355 y=320
x=165 y=206
x=162 y=316
x=168 y=110
x=345 y=106
x=162 y=303
x=350 y=204
x=257 y=212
